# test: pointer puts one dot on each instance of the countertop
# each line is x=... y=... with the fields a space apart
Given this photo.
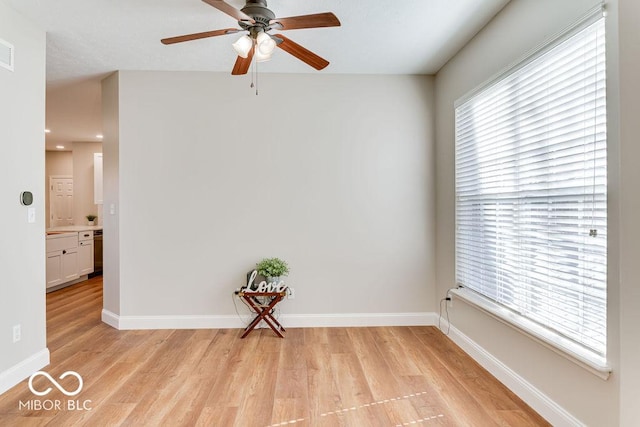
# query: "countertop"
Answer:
x=74 y=228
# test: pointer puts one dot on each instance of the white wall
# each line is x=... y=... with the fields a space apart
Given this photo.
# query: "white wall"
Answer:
x=628 y=14
x=22 y=286
x=83 y=200
x=332 y=173
x=111 y=194
x=520 y=27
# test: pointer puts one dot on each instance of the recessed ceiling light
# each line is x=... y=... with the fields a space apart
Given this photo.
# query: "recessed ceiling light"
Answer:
x=60 y=147
x=99 y=136
x=47 y=131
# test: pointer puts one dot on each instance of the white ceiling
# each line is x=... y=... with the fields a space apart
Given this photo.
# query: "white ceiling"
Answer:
x=87 y=40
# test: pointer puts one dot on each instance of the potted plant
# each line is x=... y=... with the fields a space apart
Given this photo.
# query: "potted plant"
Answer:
x=272 y=269
x=91 y=219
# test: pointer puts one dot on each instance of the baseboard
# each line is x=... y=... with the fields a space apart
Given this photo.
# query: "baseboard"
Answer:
x=358 y=319
x=171 y=322
x=15 y=374
x=539 y=401
x=110 y=318
x=288 y=320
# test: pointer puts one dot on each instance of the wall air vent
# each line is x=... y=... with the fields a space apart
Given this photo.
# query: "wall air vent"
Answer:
x=6 y=55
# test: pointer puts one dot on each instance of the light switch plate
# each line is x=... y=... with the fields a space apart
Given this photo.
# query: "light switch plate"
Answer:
x=31 y=215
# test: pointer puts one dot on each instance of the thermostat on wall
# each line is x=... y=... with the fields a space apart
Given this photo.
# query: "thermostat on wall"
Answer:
x=26 y=198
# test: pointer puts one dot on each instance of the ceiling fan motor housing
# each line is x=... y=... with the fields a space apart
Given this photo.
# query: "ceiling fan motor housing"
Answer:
x=257 y=9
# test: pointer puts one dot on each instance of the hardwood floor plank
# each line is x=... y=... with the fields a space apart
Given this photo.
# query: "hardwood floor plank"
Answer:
x=316 y=377
x=257 y=406
x=383 y=374
x=355 y=393
x=322 y=389
x=292 y=354
x=217 y=415
x=99 y=392
x=228 y=389
x=428 y=401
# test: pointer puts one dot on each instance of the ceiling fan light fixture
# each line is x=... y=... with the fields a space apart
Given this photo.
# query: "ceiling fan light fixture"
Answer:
x=262 y=57
x=243 y=46
x=266 y=44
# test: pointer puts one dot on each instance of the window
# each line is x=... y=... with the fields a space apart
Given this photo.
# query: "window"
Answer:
x=531 y=190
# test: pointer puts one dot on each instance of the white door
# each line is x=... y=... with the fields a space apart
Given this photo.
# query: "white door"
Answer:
x=61 y=201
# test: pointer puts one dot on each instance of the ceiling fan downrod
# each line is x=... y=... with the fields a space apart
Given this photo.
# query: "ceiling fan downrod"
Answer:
x=258 y=10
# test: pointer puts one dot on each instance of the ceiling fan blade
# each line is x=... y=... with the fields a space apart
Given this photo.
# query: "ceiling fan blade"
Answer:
x=230 y=10
x=303 y=54
x=242 y=64
x=196 y=36
x=317 y=20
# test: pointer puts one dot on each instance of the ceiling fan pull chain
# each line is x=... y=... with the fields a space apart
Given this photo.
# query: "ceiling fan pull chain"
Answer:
x=256 y=78
x=254 y=75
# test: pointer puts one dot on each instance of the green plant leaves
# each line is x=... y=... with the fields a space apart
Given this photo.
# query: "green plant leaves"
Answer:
x=272 y=267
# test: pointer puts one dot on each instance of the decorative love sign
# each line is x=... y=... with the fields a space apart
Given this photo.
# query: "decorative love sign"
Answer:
x=263 y=286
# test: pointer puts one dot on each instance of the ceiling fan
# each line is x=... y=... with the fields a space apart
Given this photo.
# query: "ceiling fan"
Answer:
x=258 y=20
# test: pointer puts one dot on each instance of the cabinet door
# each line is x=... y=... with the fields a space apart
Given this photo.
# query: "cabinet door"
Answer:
x=54 y=268
x=85 y=257
x=69 y=264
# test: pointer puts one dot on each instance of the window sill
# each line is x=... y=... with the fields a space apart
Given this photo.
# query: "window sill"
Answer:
x=562 y=346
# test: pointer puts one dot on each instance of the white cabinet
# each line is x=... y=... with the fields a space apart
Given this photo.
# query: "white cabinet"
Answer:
x=69 y=256
x=62 y=258
x=85 y=252
x=97 y=178
x=54 y=268
x=70 y=264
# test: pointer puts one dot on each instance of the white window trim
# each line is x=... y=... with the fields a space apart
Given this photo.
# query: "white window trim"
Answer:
x=10 y=66
x=564 y=347
x=561 y=346
x=590 y=17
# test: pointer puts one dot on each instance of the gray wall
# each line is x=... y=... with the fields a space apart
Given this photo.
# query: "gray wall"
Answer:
x=520 y=27
x=22 y=284
x=111 y=197
x=83 y=169
x=332 y=173
x=627 y=13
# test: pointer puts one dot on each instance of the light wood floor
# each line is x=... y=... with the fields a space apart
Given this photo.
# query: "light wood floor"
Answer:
x=358 y=377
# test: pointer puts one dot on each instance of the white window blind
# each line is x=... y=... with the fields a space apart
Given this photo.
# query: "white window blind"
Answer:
x=531 y=190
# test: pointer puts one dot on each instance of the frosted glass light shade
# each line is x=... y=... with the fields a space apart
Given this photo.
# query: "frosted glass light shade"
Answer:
x=266 y=44
x=243 y=46
x=261 y=57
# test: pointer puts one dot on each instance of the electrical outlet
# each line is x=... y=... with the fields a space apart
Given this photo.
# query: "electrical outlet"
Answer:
x=291 y=294
x=17 y=333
